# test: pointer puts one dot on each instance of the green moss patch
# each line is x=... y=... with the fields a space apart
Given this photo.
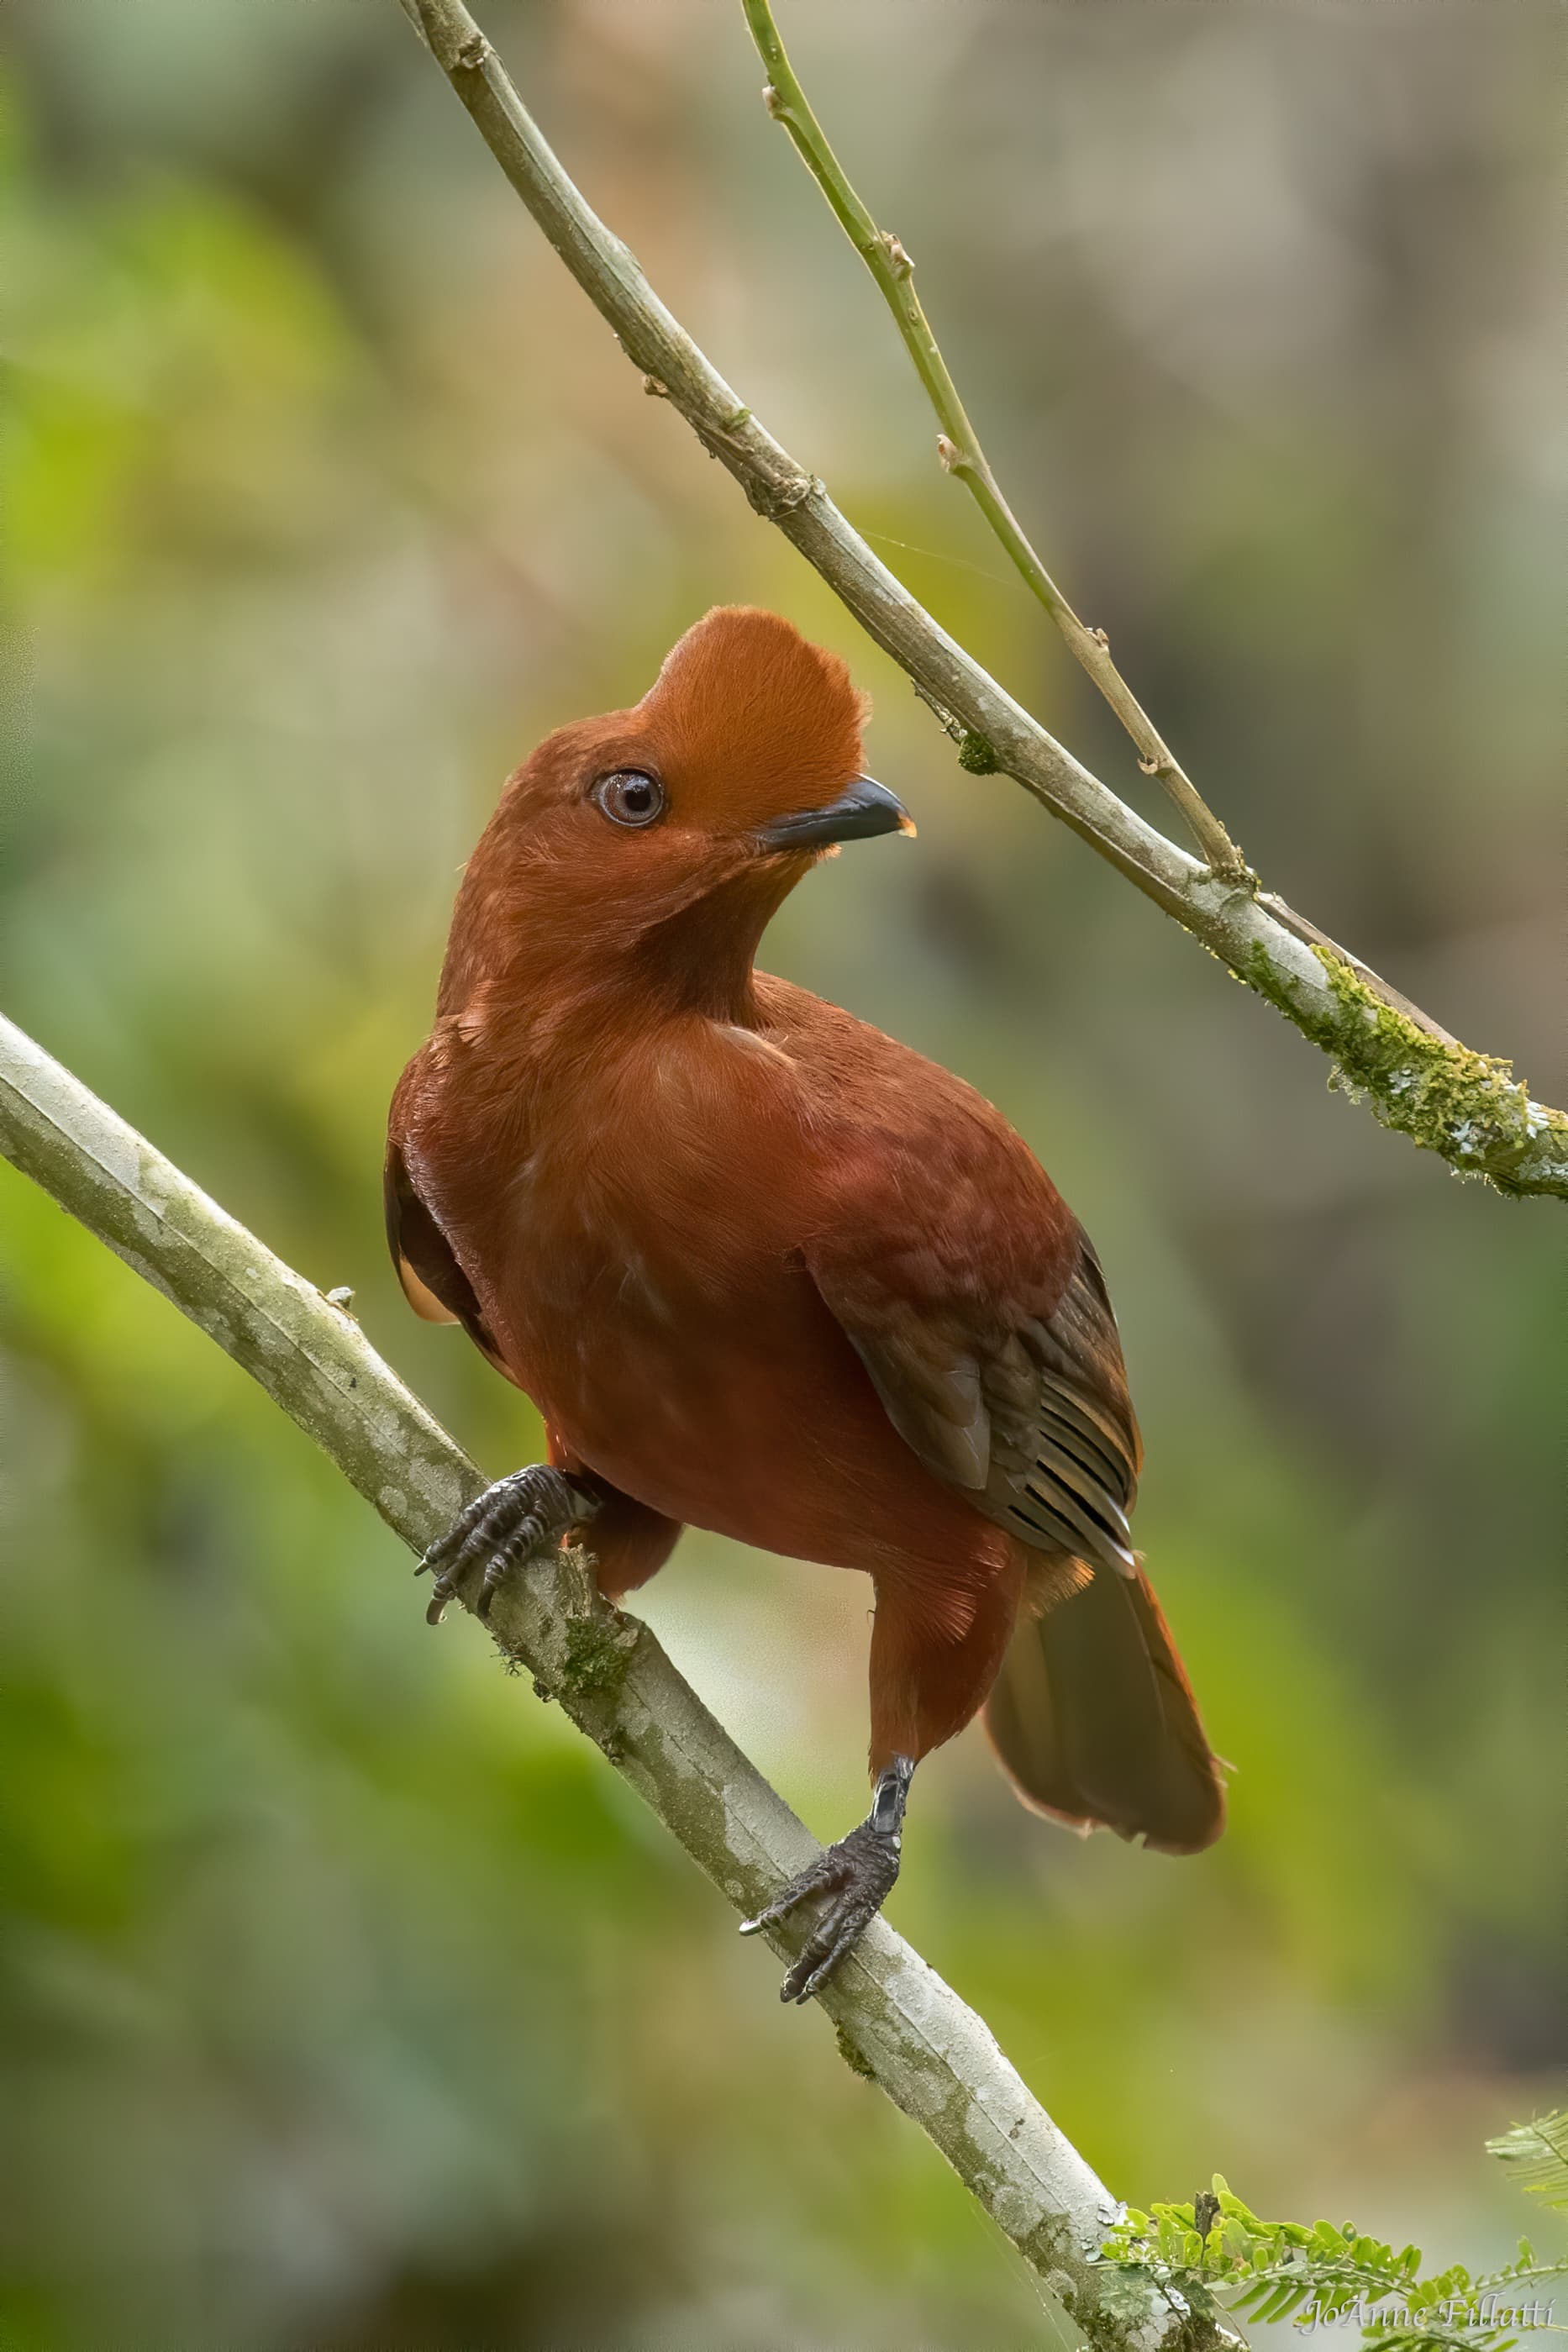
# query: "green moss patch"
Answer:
x=976 y=755
x=598 y=1651
x=1467 y=1106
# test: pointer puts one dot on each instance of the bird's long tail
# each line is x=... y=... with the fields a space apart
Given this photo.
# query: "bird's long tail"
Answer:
x=1095 y=1723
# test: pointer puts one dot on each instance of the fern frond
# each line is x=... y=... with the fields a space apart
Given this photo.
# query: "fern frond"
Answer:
x=1536 y=2154
x=1217 y=2254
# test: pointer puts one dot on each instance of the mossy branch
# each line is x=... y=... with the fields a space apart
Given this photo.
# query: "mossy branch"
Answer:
x=1466 y=1106
x=959 y=445
x=897 y=2023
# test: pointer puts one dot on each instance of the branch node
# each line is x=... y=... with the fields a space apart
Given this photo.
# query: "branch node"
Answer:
x=776 y=101
x=772 y=500
x=450 y=35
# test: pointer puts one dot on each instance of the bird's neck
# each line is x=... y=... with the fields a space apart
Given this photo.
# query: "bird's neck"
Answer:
x=568 y=979
x=701 y=958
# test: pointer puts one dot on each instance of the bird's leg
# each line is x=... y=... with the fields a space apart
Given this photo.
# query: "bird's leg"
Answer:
x=508 y=1521
x=858 y=1873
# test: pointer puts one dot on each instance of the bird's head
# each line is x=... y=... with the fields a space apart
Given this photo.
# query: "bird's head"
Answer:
x=683 y=823
x=750 y=739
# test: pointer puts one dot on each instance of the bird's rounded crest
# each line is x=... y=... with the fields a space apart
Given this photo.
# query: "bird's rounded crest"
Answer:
x=749 y=720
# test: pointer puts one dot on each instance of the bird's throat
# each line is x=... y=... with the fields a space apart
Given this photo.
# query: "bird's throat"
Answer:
x=702 y=957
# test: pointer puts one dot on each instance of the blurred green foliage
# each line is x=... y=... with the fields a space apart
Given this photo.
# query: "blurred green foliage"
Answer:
x=345 y=1999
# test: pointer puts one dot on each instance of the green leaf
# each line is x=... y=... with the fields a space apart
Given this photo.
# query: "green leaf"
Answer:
x=1536 y=2154
x=1268 y=2271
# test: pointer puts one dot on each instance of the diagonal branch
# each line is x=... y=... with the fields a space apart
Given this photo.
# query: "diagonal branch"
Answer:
x=1465 y=1105
x=958 y=444
x=896 y=2021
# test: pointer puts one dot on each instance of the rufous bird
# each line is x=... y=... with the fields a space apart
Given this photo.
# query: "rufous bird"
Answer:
x=764 y=1270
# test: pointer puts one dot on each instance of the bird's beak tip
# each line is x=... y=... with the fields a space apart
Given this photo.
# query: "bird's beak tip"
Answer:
x=865 y=808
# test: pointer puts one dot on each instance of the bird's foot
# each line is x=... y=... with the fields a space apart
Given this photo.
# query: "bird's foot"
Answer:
x=508 y=1521
x=857 y=1874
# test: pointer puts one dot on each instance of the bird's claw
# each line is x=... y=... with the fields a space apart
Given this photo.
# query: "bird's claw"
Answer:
x=858 y=1874
x=515 y=1516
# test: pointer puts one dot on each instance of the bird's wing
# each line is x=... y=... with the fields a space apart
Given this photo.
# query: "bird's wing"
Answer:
x=433 y=1282
x=978 y=1307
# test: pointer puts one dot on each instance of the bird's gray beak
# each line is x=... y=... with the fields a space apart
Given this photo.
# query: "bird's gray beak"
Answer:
x=866 y=808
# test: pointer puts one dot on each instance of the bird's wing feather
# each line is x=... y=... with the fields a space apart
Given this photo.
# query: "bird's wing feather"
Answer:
x=433 y=1282
x=1066 y=1450
x=977 y=1305
x=1033 y=1422
x=432 y=1279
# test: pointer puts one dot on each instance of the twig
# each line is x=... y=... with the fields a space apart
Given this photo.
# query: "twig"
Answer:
x=958 y=444
x=897 y=2022
x=1463 y=1105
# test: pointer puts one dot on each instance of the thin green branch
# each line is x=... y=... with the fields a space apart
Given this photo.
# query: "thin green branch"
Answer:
x=958 y=444
x=897 y=2024
x=1466 y=1106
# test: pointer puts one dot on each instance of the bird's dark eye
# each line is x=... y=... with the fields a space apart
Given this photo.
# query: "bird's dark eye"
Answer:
x=628 y=797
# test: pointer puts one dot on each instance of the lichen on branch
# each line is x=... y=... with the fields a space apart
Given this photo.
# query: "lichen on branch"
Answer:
x=1467 y=1106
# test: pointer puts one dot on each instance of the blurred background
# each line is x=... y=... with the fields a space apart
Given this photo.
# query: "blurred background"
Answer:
x=346 y=1999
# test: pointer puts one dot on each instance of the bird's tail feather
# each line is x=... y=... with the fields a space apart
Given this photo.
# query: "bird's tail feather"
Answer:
x=1095 y=1723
